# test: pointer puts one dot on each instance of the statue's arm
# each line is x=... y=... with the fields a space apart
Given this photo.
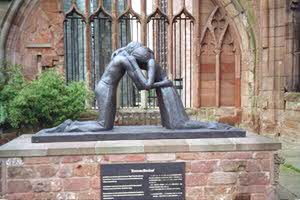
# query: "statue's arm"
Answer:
x=137 y=75
x=139 y=78
x=116 y=52
x=151 y=72
x=163 y=83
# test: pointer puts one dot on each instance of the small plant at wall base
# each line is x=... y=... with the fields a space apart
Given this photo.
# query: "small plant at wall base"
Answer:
x=46 y=102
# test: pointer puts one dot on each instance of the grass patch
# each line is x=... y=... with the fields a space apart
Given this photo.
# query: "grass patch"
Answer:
x=292 y=167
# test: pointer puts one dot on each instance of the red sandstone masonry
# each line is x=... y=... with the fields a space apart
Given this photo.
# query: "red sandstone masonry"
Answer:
x=203 y=166
x=71 y=159
x=76 y=184
x=208 y=175
x=84 y=170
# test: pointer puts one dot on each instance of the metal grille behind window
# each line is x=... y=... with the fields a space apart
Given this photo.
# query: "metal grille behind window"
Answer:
x=74 y=37
x=182 y=55
x=129 y=26
x=101 y=43
x=157 y=40
x=93 y=30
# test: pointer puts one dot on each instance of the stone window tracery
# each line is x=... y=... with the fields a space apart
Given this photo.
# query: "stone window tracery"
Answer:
x=220 y=66
x=94 y=28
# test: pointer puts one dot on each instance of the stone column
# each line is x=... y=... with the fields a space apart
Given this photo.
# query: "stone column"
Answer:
x=144 y=42
x=196 y=54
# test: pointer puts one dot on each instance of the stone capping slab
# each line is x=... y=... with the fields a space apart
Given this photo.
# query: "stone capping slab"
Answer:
x=43 y=45
x=22 y=146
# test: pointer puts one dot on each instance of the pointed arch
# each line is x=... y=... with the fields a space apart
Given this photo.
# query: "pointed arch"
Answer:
x=183 y=33
x=158 y=22
x=224 y=65
x=101 y=42
x=74 y=11
x=74 y=40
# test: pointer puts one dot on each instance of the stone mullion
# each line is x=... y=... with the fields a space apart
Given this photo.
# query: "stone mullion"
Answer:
x=114 y=35
x=196 y=54
x=155 y=33
x=88 y=45
x=170 y=39
x=182 y=3
x=237 y=85
x=156 y=4
x=144 y=42
x=143 y=22
x=218 y=53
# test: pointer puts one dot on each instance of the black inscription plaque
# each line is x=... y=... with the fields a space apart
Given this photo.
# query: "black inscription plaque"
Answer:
x=146 y=181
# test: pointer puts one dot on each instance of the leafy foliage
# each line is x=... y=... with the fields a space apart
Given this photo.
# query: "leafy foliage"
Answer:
x=12 y=81
x=45 y=102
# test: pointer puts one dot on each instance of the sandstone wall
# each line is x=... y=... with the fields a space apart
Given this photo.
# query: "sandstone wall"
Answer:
x=35 y=39
x=232 y=175
x=215 y=168
x=290 y=119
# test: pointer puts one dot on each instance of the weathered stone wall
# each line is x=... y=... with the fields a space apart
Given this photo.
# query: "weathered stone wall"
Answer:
x=272 y=32
x=272 y=66
x=278 y=68
x=216 y=175
x=35 y=39
x=290 y=119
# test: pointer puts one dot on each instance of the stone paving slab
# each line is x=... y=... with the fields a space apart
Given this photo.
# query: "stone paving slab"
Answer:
x=290 y=180
x=285 y=194
x=22 y=146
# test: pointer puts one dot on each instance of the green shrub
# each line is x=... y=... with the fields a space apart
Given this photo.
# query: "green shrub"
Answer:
x=11 y=83
x=47 y=101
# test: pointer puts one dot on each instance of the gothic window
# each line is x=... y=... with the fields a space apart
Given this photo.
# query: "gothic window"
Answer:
x=207 y=71
x=93 y=29
x=227 y=71
x=183 y=24
x=101 y=43
x=292 y=69
x=157 y=24
x=219 y=63
x=74 y=36
x=129 y=23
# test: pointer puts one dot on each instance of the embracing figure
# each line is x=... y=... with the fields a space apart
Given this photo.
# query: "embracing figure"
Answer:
x=132 y=59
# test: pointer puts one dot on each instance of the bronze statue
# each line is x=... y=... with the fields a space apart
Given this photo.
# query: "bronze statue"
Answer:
x=132 y=59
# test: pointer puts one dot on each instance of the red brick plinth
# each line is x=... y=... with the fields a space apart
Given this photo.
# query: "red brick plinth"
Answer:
x=40 y=172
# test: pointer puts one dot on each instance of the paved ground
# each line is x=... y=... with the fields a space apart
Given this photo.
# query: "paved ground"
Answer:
x=289 y=179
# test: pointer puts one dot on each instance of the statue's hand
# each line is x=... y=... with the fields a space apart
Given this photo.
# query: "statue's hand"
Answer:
x=148 y=87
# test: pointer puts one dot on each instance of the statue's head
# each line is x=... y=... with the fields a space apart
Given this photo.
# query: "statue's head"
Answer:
x=141 y=53
x=132 y=46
